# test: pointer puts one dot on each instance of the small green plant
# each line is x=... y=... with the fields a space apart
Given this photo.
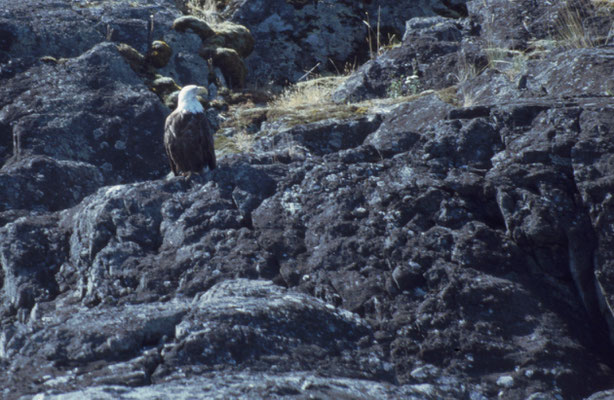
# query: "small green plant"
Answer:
x=404 y=86
x=395 y=89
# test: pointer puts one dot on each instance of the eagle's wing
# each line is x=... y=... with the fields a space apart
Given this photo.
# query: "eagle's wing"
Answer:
x=207 y=146
x=188 y=142
x=170 y=137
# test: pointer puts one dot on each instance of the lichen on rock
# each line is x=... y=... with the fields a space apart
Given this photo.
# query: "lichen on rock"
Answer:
x=233 y=36
x=194 y=24
x=433 y=224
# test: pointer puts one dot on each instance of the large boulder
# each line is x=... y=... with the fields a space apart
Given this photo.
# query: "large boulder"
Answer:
x=166 y=231
x=31 y=252
x=428 y=58
x=31 y=183
x=292 y=37
x=150 y=343
x=591 y=159
x=31 y=29
x=93 y=109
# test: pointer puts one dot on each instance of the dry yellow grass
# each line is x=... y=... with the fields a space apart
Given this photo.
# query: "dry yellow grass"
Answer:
x=240 y=142
x=204 y=9
x=242 y=120
x=603 y=4
x=466 y=71
x=310 y=101
x=303 y=103
x=570 y=31
x=304 y=94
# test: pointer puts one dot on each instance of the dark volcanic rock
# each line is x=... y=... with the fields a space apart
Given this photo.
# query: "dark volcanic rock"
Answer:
x=573 y=73
x=558 y=78
x=238 y=322
x=511 y=26
x=520 y=24
x=348 y=230
x=31 y=183
x=88 y=122
x=28 y=35
x=401 y=130
x=292 y=37
x=257 y=324
x=413 y=249
x=167 y=235
x=123 y=337
x=84 y=103
x=93 y=109
x=258 y=385
x=31 y=252
x=591 y=158
x=320 y=138
x=429 y=52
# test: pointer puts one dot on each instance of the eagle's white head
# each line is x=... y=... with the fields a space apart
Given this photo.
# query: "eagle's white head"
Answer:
x=188 y=100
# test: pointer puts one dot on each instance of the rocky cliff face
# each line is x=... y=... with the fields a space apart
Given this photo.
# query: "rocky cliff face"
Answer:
x=439 y=227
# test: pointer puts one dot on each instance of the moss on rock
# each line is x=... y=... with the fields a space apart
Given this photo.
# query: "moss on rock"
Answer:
x=160 y=54
x=197 y=25
x=229 y=62
x=232 y=36
x=165 y=87
x=134 y=58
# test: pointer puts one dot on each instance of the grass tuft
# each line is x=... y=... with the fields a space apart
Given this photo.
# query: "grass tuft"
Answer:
x=240 y=142
x=305 y=94
x=570 y=29
x=204 y=9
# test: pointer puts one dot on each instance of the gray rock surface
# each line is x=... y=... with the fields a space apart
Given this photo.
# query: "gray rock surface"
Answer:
x=452 y=244
x=262 y=386
x=86 y=109
x=431 y=50
x=27 y=34
x=28 y=183
x=292 y=37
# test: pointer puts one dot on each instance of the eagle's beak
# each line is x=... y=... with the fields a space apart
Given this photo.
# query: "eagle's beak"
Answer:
x=202 y=92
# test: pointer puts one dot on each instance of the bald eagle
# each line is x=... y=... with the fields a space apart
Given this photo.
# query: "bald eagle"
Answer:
x=187 y=135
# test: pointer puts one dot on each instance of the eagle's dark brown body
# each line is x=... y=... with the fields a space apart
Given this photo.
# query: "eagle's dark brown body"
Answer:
x=188 y=141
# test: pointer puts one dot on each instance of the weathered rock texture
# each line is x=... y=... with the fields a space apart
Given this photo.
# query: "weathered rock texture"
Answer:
x=454 y=244
x=292 y=37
